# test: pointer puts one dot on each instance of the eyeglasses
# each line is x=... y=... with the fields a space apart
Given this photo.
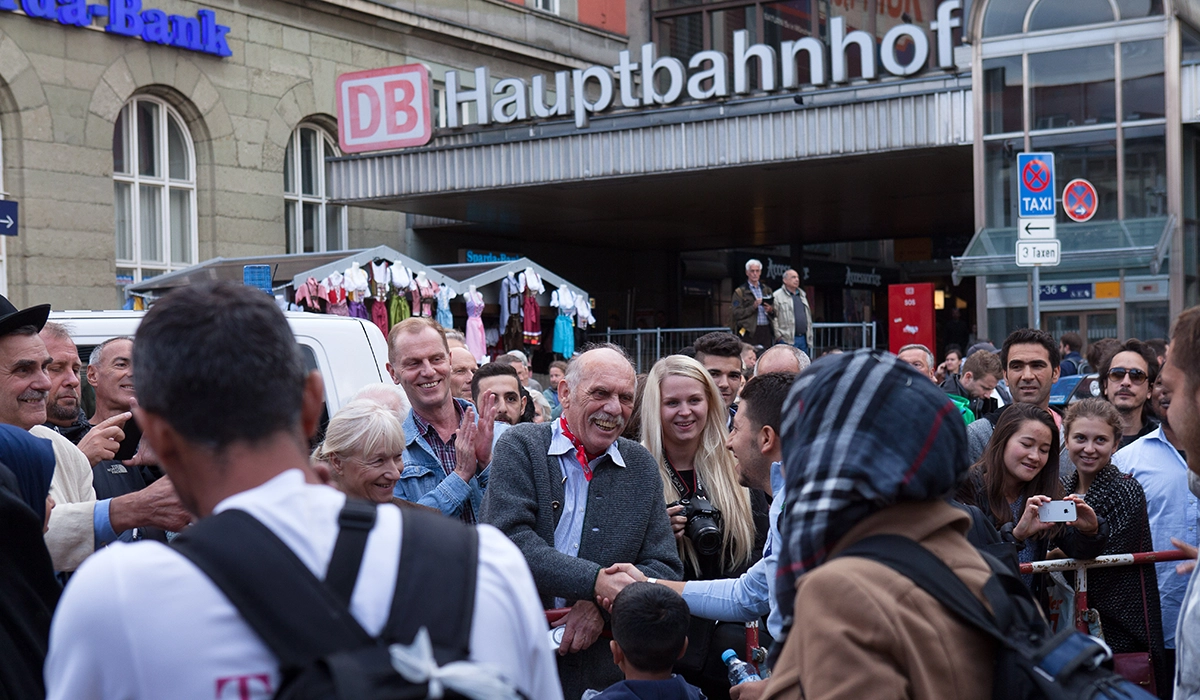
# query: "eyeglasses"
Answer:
x=1136 y=376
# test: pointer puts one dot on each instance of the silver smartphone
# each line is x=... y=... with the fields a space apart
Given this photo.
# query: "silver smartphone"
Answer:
x=1057 y=512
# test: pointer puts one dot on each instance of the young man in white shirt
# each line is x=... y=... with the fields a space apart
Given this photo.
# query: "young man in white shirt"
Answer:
x=228 y=406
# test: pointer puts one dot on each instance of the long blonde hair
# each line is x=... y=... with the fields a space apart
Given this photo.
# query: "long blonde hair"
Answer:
x=713 y=463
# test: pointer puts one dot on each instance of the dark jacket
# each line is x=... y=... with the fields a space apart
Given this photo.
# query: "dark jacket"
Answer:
x=1070 y=364
x=75 y=431
x=745 y=315
x=625 y=522
x=1126 y=597
x=674 y=689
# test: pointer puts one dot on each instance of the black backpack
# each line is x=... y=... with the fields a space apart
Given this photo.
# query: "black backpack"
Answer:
x=323 y=652
x=1029 y=662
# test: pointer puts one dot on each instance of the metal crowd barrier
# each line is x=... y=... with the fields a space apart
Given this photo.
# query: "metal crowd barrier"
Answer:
x=647 y=345
x=1081 y=566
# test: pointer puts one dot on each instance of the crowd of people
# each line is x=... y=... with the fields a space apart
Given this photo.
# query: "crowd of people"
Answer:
x=608 y=533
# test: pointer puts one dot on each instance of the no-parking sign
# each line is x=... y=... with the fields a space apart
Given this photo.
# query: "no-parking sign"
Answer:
x=1035 y=185
x=1080 y=200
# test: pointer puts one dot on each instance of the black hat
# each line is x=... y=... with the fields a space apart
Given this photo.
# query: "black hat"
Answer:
x=11 y=319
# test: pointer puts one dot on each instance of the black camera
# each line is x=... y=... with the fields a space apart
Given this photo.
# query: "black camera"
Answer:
x=703 y=524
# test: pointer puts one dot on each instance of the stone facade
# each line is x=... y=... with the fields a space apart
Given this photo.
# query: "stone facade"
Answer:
x=63 y=87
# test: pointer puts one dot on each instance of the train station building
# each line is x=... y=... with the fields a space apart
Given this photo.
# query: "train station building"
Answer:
x=644 y=148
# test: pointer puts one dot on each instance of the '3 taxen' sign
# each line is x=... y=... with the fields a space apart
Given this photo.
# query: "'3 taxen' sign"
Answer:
x=383 y=108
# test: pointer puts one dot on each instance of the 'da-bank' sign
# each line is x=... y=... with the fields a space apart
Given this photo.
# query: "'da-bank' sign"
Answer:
x=385 y=113
x=127 y=18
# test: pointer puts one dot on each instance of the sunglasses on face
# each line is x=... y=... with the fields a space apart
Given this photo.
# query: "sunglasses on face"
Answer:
x=1137 y=376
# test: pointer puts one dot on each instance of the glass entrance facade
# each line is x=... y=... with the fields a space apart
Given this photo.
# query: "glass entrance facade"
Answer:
x=1086 y=80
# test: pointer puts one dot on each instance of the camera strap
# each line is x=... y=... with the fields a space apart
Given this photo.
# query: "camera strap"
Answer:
x=681 y=487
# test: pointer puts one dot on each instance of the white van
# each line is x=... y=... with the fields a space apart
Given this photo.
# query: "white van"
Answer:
x=349 y=352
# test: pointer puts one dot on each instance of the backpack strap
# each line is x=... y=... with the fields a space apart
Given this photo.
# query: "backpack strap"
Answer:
x=270 y=586
x=436 y=586
x=929 y=573
x=354 y=525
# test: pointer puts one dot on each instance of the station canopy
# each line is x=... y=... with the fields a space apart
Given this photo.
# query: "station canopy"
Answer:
x=1086 y=247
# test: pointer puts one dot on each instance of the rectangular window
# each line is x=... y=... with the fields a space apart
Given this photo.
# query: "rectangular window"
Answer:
x=1003 y=321
x=1143 y=88
x=1148 y=320
x=122 y=206
x=150 y=201
x=1091 y=155
x=1002 y=104
x=1145 y=173
x=1075 y=87
x=681 y=36
x=1000 y=189
x=310 y=225
x=181 y=224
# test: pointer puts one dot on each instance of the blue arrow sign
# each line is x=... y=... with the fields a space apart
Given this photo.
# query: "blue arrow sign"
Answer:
x=8 y=217
x=1035 y=185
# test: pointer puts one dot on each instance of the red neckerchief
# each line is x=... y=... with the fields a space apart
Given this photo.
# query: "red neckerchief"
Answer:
x=580 y=453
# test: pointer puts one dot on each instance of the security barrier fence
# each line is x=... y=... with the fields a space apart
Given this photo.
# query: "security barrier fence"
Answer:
x=647 y=345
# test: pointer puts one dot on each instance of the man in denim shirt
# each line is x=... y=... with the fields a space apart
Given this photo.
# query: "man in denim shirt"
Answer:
x=447 y=452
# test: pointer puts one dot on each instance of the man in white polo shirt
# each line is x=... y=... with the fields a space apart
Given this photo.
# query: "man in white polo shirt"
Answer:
x=228 y=406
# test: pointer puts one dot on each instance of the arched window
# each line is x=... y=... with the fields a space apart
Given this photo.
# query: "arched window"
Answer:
x=313 y=224
x=1005 y=17
x=154 y=190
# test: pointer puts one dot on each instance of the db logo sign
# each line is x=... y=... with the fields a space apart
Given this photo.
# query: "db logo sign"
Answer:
x=383 y=108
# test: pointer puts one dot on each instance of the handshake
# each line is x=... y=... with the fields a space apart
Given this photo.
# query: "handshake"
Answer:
x=583 y=623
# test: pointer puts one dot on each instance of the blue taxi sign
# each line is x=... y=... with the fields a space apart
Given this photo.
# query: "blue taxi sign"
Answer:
x=1035 y=185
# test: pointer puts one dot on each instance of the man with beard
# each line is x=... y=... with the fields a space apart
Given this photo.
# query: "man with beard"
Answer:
x=1157 y=460
x=64 y=413
x=1030 y=361
x=577 y=498
x=1126 y=378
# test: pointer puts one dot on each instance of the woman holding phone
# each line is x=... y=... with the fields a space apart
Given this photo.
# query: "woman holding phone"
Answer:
x=1016 y=476
x=1125 y=597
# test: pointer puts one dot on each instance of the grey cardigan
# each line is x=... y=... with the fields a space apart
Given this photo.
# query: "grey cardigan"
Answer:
x=626 y=519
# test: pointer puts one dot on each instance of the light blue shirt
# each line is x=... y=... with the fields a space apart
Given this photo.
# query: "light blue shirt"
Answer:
x=569 y=531
x=1174 y=512
x=751 y=595
x=101 y=525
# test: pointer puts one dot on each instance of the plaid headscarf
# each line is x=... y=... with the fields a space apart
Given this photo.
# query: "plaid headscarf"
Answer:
x=861 y=431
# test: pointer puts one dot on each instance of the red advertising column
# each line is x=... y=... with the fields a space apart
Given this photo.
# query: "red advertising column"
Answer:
x=910 y=314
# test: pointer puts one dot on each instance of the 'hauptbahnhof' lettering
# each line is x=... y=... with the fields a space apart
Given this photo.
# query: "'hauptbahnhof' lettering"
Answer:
x=646 y=147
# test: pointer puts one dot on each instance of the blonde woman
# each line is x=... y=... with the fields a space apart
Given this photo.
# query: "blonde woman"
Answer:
x=683 y=426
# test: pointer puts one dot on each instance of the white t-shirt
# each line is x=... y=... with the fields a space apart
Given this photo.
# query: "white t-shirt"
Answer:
x=141 y=621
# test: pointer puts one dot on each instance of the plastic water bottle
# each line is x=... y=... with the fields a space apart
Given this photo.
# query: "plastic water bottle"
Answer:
x=739 y=671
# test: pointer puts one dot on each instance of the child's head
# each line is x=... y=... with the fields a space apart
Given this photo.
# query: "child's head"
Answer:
x=649 y=627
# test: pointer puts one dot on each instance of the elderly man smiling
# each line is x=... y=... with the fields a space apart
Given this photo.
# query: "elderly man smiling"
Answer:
x=576 y=498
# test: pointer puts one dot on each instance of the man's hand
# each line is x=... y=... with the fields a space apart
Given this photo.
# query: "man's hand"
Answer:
x=1184 y=568
x=615 y=578
x=465 y=464
x=583 y=628
x=157 y=505
x=487 y=428
x=103 y=440
x=752 y=690
x=144 y=457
